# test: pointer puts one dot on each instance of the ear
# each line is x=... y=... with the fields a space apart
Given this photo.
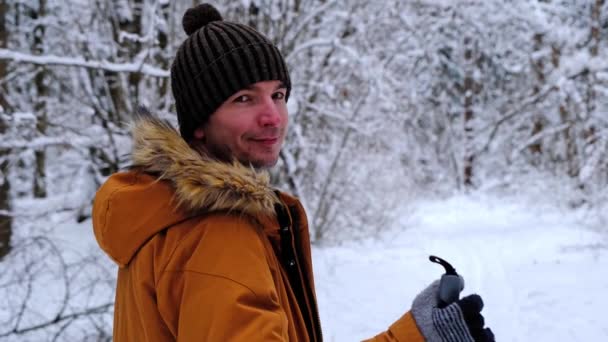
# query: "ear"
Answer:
x=199 y=133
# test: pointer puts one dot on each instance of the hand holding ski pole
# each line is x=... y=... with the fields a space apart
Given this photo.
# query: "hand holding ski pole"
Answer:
x=442 y=317
x=450 y=285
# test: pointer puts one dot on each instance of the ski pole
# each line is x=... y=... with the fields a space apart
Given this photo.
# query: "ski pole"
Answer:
x=450 y=285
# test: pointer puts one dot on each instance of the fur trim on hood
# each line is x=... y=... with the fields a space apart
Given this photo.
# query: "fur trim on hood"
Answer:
x=171 y=183
x=201 y=183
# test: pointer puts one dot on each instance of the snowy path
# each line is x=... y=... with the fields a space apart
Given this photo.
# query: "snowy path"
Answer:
x=542 y=278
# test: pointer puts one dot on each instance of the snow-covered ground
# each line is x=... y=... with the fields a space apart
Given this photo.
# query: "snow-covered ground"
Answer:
x=542 y=276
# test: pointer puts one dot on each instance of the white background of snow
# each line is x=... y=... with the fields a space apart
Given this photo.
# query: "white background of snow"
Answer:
x=543 y=277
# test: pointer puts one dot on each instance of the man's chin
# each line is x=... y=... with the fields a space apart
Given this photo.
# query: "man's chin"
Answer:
x=261 y=164
x=265 y=165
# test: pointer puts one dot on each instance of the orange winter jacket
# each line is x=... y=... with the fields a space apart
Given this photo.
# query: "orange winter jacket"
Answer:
x=207 y=251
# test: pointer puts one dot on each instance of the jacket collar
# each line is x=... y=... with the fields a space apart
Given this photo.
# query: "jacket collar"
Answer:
x=201 y=183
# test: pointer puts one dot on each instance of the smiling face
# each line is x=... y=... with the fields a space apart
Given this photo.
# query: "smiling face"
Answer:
x=249 y=126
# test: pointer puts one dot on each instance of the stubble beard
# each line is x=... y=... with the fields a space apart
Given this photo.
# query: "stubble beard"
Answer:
x=223 y=153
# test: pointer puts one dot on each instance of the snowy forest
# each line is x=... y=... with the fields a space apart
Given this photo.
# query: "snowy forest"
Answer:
x=392 y=101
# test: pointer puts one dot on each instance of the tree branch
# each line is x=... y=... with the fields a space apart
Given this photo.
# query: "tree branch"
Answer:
x=90 y=311
x=80 y=62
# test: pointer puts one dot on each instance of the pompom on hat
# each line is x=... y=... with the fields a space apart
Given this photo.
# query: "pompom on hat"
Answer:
x=218 y=59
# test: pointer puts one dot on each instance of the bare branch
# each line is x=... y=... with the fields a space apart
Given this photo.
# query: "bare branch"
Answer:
x=134 y=67
x=538 y=136
x=42 y=142
x=96 y=310
x=515 y=112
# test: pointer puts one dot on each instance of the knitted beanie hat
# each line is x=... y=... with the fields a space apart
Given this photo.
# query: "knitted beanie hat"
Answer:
x=218 y=59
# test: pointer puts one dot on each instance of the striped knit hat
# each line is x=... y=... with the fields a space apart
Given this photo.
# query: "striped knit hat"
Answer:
x=218 y=59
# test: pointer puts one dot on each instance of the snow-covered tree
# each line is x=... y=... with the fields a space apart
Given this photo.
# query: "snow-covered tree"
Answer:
x=5 y=193
x=391 y=100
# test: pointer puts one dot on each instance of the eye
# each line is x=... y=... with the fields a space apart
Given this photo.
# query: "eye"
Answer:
x=279 y=95
x=242 y=99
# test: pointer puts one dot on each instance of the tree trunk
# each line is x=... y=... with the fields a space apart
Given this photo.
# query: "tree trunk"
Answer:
x=5 y=203
x=40 y=106
x=589 y=133
x=469 y=114
x=123 y=95
x=133 y=49
x=539 y=70
x=564 y=114
x=593 y=51
x=595 y=27
x=161 y=57
x=3 y=44
x=6 y=220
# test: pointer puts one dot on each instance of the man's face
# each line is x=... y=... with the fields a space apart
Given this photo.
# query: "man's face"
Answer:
x=249 y=126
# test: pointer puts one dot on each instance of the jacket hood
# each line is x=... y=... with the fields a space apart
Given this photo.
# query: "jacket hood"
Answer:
x=172 y=183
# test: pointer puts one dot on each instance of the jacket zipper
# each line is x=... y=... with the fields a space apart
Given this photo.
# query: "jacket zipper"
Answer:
x=314 y=312
x=291 y=255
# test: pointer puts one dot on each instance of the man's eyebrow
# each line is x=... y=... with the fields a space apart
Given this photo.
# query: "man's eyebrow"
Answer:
x=281 y=85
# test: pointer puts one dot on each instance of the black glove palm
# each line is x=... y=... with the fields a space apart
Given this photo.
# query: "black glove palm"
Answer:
x=471 y=307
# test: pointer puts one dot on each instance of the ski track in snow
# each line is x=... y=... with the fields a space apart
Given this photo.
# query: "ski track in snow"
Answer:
x=538 y=272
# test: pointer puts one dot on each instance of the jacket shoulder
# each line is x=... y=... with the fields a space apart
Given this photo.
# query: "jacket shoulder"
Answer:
x=129 y=209
x=224 y=245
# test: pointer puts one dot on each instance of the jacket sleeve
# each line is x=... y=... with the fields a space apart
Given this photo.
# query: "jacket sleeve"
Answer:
x=219 y=287
x=403 y=330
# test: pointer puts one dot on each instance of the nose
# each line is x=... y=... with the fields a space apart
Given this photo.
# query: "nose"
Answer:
x=269 y=116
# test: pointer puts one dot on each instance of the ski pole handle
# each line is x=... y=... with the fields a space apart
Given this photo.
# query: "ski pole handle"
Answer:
x=450 y=285
x=449 y=289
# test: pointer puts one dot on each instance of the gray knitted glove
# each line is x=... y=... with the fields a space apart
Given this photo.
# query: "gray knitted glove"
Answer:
x=460 y=321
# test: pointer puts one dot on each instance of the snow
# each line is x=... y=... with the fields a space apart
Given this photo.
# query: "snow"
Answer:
x=376 y=96
x=538 y=271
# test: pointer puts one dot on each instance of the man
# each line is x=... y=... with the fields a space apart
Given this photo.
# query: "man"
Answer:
x=207 y=250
